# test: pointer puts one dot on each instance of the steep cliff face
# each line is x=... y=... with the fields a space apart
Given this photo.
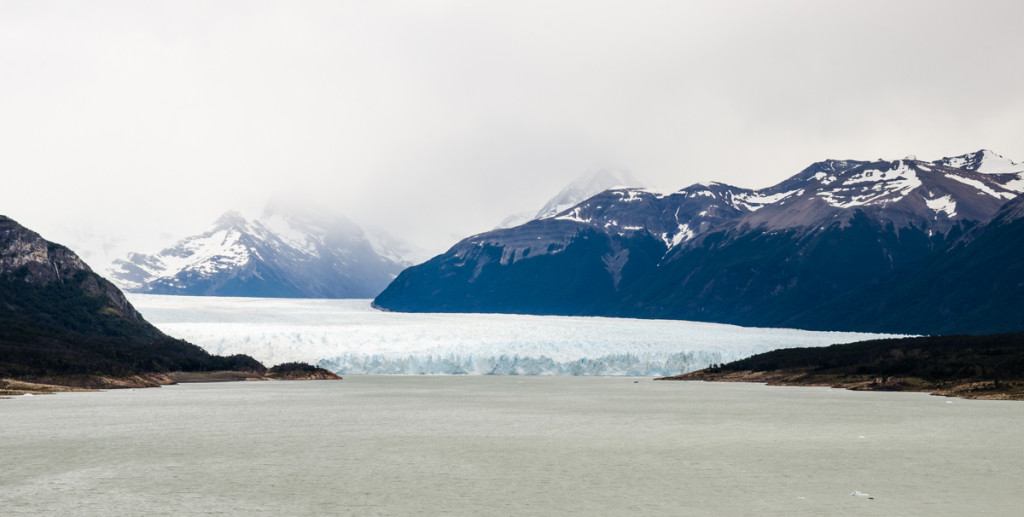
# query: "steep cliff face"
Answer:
x=26 y=257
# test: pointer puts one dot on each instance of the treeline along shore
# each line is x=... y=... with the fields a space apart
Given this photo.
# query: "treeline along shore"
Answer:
x=977 y=367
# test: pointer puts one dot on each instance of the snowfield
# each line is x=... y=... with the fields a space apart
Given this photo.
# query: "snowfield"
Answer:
x=350 y=337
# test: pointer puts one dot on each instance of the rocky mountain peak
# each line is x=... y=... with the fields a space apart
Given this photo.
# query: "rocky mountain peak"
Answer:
x=984 y=161
x=231 y=219
x=41 y=261
x=591 y=183
x=26 y=256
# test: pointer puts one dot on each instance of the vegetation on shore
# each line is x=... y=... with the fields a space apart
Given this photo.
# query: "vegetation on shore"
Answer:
x=76 y=331
x=65 y=328
x=983 y=367
x=300 y=372
x=10 y=387
x=57 y=336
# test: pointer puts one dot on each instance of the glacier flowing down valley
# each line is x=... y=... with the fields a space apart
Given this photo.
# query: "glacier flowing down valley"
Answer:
x=349 y=337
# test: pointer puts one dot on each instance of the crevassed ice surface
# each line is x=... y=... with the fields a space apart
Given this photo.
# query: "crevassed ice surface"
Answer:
x=348 y=336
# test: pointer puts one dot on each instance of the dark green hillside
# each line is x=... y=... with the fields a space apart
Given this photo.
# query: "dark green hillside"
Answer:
x=935 y=358
x=989 y=366
x=59 y=330
x=60 y=323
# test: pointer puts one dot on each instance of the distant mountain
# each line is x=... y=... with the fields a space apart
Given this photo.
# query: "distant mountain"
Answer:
x=59 y=320
x=285 y=253
x=594 y=181
x=780 y=256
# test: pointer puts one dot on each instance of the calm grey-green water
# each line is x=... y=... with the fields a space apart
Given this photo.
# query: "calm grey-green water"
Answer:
x=507 y=446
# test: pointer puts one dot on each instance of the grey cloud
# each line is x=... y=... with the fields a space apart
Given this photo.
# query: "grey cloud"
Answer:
x=438 y=119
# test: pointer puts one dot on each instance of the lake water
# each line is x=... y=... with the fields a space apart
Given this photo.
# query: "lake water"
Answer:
x=507 y=445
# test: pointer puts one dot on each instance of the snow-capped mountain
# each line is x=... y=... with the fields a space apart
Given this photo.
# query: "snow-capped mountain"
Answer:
x=284 y=253
x=983 y=161
x=715 y=252
x=590 y=183
x=902 y=192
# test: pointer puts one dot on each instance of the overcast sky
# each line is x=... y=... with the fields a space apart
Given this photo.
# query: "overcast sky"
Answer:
x=131 y=124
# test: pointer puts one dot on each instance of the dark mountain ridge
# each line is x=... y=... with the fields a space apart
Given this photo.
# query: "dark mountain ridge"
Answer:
x=799 y=253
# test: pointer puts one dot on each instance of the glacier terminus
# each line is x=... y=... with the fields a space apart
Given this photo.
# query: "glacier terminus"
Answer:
x=349 y=337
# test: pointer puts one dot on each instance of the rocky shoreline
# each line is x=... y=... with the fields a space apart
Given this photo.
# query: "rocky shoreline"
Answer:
x=973 y=389
x=17 y=387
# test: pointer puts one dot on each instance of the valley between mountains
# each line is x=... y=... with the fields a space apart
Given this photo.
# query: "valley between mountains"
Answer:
x=902 y=246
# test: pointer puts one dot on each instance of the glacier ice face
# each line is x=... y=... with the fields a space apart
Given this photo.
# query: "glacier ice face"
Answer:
x=349 y=337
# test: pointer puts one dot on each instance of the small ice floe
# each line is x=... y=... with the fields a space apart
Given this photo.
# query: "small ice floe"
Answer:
x=862 y=437
x=858 y=493
x=949 y=402
x=27 y=395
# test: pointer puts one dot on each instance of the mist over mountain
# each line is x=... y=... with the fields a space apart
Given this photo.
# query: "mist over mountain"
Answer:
x=805 y=252
x=286 y=252
x=592 y=182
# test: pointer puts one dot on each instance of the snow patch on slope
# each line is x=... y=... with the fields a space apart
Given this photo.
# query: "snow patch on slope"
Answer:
x=205 y=254
x=1016 y=185
x=884 y=186
x=573 y=215
x=992 y=163
x=684 y=234
x=944 y=204
x=901 y=172
x=981 y=186
x=755 y=201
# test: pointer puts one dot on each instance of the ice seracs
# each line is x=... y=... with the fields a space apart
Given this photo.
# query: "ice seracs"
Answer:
x=346 y=336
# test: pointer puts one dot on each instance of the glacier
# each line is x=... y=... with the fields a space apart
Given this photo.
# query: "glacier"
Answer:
x=350 y=337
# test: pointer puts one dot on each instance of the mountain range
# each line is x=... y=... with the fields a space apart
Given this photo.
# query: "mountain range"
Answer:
x=908 y=246
x=287 y=252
